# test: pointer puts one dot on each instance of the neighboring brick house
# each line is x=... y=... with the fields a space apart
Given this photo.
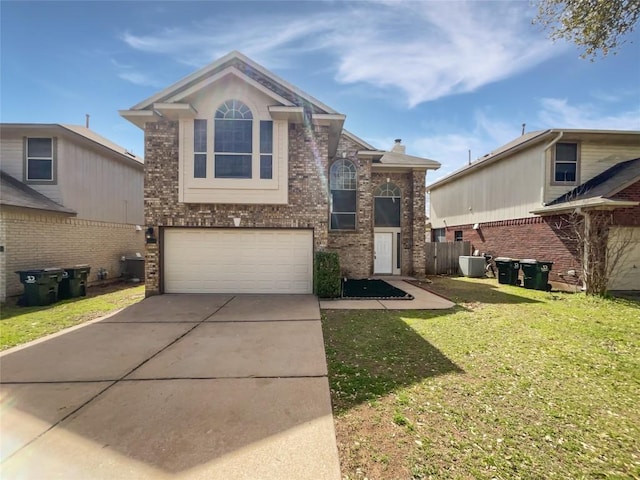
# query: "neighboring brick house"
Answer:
x=516 y=201
x=246 y=176
x=68 y=196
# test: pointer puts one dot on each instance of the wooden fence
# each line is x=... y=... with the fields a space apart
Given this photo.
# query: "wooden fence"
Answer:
x=442 y=257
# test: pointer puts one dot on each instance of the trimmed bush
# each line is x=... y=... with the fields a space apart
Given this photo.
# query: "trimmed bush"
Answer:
x=326 y=274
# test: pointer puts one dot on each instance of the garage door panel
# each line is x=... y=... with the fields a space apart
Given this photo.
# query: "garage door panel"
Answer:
x=237 y=261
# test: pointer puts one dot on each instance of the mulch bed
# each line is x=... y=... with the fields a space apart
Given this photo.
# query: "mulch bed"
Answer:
x=370 y=289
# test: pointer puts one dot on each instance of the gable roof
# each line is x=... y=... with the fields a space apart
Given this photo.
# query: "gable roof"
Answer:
x=14 y=193
x=524 y=141
x=598 y=192
x=249 y=68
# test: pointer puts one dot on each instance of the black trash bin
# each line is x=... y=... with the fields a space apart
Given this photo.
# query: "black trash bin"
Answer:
x=536 y=274
x=508 y=269
x=74 y=282
x=40 y=285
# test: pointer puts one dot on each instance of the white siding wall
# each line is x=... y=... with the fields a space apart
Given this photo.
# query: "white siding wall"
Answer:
x=99 y=187
x=507 y=189
x=12 y=158
x=595 y=158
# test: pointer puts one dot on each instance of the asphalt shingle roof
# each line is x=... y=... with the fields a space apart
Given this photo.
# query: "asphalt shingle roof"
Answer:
x=16 y=194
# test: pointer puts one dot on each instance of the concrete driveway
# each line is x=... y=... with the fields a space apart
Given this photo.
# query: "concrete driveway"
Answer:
x=176 y=386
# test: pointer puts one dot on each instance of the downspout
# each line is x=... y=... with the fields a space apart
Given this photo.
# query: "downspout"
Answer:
x=544 y=166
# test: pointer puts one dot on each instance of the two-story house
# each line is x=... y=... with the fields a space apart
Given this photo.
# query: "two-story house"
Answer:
x=514 y=201
x=246 y=176
x=68 y=196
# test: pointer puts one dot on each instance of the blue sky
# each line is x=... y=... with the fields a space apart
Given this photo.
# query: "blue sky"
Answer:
x=444 y=76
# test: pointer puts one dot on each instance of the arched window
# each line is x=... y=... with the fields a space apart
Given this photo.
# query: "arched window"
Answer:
x=387 y=205
x=233 y=140
x=342 y=184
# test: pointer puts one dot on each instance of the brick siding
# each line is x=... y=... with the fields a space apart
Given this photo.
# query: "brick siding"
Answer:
x=308 y=193
x=628 y=216
x=37 y=240
x=540 y=238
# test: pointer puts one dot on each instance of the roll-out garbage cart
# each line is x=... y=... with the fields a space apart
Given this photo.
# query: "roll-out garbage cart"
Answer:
x=74 y=282
x=536 y=274
x=508 y=269
x=40 y=285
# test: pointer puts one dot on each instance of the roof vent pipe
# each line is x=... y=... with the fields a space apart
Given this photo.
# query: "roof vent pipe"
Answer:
x=86 y=122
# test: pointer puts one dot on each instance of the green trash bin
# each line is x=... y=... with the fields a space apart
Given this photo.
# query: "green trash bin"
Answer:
x=40 y=285
x=74 y=282
x=536 y=274
x=508 y=269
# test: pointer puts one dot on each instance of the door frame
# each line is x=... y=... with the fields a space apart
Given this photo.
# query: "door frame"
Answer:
x=396 y=255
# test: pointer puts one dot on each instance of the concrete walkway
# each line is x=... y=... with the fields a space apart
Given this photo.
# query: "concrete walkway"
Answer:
x=422 y=300
x=174 y=387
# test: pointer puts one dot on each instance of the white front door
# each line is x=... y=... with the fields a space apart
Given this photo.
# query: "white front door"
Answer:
x=383 y=253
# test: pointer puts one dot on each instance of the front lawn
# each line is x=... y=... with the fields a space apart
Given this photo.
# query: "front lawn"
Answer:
x=19 y=325
x=510 y=384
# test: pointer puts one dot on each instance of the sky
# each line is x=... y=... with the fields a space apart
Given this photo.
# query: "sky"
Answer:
x=444 y=76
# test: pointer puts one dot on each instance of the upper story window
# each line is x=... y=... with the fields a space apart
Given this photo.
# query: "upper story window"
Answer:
x=233 y=140
x=39 y=160
x=342 y=185
x=565 y=163
x=199 y=148
x=387 y=205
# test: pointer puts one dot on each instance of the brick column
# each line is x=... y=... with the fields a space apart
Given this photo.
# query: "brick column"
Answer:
x=419 y=222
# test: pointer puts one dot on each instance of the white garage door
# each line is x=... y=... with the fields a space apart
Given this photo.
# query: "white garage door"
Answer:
x=208 y=260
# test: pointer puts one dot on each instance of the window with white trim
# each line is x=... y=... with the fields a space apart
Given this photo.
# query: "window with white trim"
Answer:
x=233 y=140
x=565 y=164
x=199 y=148
x=39 y=159
x=386 y=205
x=342 y=185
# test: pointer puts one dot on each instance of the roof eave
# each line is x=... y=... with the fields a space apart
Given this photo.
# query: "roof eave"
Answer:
x=597 y=203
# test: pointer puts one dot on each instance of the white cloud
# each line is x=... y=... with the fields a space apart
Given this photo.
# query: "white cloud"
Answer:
x=559 y=113
x=426 y=50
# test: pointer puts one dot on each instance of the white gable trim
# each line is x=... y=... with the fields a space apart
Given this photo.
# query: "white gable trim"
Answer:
x=218 y=76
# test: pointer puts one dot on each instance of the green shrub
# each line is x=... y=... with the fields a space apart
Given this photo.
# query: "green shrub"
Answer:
x=326 y=275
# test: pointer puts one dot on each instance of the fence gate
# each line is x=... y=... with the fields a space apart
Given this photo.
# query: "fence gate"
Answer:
x=442 y=257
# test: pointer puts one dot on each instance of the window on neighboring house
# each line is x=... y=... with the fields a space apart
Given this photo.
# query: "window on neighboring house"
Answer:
x=39 y=159
x=199 y=148
x=439 y=235
x=565 y=163
x=457 y=236
x=342 y=184
x=266 y=149
x=233 y=145
x=387 y=205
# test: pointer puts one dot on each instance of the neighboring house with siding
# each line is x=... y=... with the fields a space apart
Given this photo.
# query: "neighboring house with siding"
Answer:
x=513 y=202
x=68 y=196
x=246 y=176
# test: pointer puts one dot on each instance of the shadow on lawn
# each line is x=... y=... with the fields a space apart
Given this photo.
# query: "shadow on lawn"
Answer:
x=485 y=290
x=371 y=353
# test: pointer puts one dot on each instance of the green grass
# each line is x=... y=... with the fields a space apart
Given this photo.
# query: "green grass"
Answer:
x=19 y=325
x=512 y=383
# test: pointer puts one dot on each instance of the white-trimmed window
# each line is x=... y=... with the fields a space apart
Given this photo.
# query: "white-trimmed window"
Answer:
x=233 y=140
x=387 y=205
x=39 y=159
x=343 y=189
x=199 y=148
x=565 y=163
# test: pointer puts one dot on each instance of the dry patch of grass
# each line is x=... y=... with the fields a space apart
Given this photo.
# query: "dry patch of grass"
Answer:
x=19 y=325
x=512 y=383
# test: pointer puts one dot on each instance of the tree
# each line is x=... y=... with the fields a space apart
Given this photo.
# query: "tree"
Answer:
x=600 y=255
x=594 y=25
